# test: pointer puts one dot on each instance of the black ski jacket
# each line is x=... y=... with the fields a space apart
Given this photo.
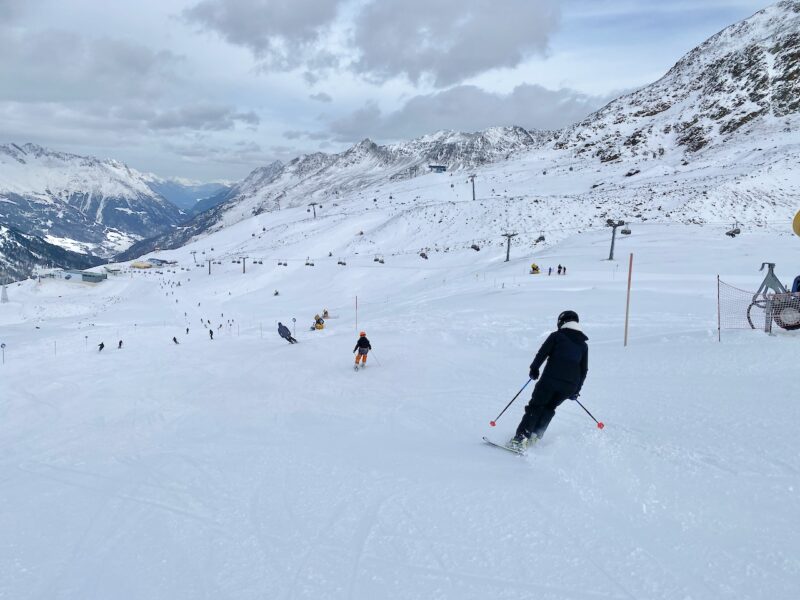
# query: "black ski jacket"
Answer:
x=362 y=342
x=283 y=331
x=567 y=357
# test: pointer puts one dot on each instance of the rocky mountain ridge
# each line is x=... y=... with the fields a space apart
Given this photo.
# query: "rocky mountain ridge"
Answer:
x=80 y=202
x=743 y=82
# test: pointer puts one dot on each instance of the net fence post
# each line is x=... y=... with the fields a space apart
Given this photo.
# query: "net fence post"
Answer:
x=768 y=316
x=719 y=316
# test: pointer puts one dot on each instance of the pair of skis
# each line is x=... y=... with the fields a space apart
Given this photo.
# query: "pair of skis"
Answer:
x=504 y=447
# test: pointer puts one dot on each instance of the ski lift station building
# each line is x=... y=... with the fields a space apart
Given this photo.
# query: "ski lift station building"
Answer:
x=85 y=276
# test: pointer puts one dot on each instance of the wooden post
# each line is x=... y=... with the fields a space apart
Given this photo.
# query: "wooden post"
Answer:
x=628 y=301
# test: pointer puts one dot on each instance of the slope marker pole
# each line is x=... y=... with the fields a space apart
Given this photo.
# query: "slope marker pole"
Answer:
x=628 y=301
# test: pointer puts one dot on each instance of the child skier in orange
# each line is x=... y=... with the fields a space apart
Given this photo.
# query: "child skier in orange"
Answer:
x=363 y=347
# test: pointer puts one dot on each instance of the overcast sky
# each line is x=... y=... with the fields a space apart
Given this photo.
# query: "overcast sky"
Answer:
x=210 y=89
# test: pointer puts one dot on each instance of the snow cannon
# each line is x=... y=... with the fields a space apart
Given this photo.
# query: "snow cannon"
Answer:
x=782 y=305
x=535 y=269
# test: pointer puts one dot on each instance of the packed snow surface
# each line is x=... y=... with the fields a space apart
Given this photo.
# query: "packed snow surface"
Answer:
x=245 y=467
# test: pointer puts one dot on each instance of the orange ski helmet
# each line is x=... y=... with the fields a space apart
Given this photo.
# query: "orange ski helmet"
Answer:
x=362 y=334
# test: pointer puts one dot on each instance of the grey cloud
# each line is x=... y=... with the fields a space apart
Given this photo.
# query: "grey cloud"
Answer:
x=445 y=41
x=200 y=117
x=238 y=153
x=321 y=97
x=10 y=10
x=282 y=34
x=468 y=108
x=450 y=40
x=308 y=135
x=63 y=66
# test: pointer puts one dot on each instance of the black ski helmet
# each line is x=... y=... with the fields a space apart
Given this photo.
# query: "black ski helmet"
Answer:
x=566 y=317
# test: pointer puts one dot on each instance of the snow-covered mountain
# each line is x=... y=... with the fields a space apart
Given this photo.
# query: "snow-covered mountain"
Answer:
x=742 y=80
x=713 y=140
x=79 y=202
x=21 y=253
x=192 y=197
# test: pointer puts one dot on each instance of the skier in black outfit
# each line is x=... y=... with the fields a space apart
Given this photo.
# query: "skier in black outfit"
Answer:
x=363 y=347
x=211 y=333
x=174 y=339
x=567 y=357
x=284 y=332
x=100 y=346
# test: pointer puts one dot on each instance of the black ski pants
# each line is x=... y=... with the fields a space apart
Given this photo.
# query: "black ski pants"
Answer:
x=540 y=410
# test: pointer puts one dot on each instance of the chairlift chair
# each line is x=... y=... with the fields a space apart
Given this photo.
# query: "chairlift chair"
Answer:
x=733 y=231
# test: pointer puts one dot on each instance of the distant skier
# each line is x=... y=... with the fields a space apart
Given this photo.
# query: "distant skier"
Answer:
x=174 y=339
x=559 y=269
x=549 y=271
x=187 y=331
x=284 y=332
x=275 y=293
x=362 y=347
x=100 y=346
x=564 y=270
x=211 y=333
x=567 y=357
x=119 y=346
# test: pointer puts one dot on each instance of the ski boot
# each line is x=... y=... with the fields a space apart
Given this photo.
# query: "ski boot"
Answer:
x=519 y=443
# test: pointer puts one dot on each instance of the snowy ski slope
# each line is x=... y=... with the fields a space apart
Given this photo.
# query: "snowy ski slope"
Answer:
x=244 y=467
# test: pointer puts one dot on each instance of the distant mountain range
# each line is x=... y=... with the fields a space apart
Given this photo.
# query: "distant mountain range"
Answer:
x=743 y=81
x=737 y=95
x=191 y=197
x=81 y=203
x=87 y=205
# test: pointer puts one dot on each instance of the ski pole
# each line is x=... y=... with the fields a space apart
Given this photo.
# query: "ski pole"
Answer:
x=600 y=424
x=493 y=423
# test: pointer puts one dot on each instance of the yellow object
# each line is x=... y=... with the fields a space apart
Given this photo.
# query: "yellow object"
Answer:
x=319 y=326
x=141 y=265
x=796 y=223
x=535 y=269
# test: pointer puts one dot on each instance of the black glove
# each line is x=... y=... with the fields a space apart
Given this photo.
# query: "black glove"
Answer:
x=575 y=396
x=534 y=374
